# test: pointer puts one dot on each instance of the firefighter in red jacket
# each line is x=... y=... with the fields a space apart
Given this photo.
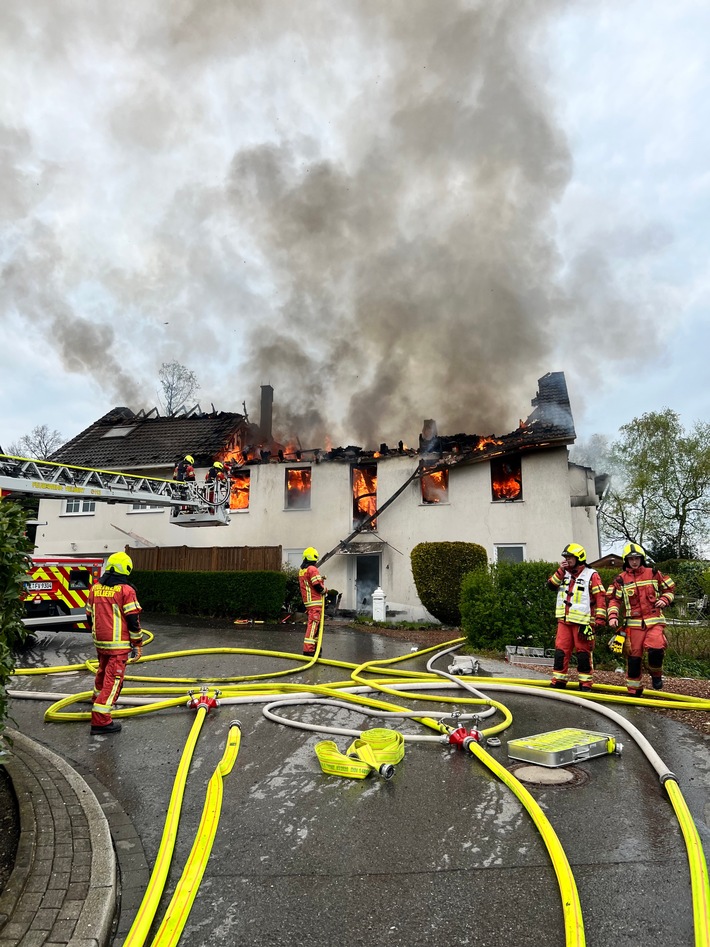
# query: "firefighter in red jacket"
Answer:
x=581 y=606
x=641 y=593
x=112 y=611
x=312 y=585
x=213 y=476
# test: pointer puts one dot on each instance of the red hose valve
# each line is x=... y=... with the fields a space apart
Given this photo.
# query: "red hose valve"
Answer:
x=204 y=700
x=461 y=737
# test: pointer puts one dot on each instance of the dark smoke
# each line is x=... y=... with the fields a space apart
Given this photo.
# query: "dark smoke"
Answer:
x=351 y=202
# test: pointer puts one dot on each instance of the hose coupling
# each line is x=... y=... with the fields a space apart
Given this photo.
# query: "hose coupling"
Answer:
x=235 y=723
x=462 y=737
x=386 y=771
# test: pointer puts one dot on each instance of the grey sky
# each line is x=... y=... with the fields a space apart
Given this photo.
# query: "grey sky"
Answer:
x=386 y=211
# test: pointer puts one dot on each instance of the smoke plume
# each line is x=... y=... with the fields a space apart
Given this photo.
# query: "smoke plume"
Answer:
x=354 y=203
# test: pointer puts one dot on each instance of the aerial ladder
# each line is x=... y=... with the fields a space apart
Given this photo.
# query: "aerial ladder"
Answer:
x=192 y=504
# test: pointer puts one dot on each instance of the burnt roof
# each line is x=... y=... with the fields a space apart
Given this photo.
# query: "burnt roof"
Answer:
x=122 y=440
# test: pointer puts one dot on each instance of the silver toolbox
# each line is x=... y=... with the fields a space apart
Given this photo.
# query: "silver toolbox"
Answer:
x=562 y=747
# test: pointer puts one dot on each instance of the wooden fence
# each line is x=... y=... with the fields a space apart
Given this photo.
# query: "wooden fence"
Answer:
x=210 y=559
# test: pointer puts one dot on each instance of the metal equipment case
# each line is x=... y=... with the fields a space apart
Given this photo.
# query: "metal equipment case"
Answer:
x=562 y=747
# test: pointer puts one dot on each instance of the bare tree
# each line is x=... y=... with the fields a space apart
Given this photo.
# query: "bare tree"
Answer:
x=178 y=384
x=38 y=444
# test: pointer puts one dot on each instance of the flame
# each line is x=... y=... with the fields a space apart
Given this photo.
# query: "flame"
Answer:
x=435 y=486
x=298 y=487
x=364 y=494
x=483 y=442
x=239 y=490
x=507 y=488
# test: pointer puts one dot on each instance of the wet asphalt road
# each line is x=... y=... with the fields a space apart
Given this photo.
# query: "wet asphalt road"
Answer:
x=442 y=854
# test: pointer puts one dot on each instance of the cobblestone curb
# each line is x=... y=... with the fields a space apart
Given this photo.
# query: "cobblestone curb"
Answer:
x=63 y=887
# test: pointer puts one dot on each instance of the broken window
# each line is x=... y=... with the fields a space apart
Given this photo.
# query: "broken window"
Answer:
x=364 y=494
x=239 y=483
x=298 y=488
x=506 y=478
x=435 y=487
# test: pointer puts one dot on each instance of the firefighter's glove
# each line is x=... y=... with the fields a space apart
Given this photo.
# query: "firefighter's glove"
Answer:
x=661 y=603
x=587 y=632
x=136 y=652
x=616 y=644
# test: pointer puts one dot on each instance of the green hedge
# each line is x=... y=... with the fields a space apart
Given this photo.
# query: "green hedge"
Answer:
x=438 y=570
x=258 y=595
x=509 y=603
x=14 y=551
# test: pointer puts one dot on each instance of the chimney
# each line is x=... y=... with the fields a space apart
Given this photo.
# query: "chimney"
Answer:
x=267 y=406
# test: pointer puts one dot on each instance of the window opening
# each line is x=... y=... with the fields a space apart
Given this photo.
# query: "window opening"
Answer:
x=239 y=484
x=510 y=553
x=435 y=487
x=506 y=478
x=298 y=488
x=364 y=494
x=77 y=505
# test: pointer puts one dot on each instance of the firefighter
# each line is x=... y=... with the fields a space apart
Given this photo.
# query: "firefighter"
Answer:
x=184 y=472
x=581 y=607
x=215 y=475
x=185 y=469
x=113 y=613
x=641 y=593
x=312 y=585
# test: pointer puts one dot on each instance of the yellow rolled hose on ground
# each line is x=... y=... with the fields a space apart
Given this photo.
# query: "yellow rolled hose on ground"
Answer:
x=178 y=910
x=376 y=750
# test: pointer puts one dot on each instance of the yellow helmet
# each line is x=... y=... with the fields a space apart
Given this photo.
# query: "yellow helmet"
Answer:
x=310 y=554
x=218 y=465
x=120 y=563
x=574 y=549
x=189 y=458
x=633 y=549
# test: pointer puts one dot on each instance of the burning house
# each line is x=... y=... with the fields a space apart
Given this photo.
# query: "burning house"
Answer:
x=516 y=494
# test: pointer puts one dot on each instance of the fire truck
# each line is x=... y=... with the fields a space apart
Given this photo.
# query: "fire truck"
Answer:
x=56 y=590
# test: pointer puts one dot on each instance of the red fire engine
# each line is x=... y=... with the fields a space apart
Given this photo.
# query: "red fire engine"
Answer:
x=56 y=591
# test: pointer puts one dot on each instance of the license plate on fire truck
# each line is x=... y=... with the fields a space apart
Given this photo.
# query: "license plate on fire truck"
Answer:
x=39 y=586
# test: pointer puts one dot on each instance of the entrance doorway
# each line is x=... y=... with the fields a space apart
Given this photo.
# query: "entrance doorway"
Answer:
x=367 y=579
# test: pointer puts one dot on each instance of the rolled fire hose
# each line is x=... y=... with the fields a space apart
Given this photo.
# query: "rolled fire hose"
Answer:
x=375 y=751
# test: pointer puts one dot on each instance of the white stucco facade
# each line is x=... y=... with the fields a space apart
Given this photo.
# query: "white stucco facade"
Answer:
x=558 y=506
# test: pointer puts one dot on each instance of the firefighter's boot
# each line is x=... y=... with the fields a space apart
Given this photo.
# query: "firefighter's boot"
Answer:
x=113 y=727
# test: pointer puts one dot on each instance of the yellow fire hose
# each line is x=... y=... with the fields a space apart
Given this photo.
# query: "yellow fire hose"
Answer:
x=375 y=751
x=571 y=907
x=178 y=910
x=149 y=905
x=362 y=754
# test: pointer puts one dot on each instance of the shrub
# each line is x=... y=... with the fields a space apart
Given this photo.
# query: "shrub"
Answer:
x=509 y=604
x=438 y=569
x=14 y=554
x=217 y=594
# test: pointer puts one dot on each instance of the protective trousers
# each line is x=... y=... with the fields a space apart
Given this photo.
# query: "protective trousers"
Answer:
x=107 y=685
x=314 y=620
x=652 y=640
x=570 y=639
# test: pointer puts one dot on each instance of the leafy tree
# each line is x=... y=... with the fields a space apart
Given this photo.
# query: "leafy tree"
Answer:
x=178 y=385
x=14 y=552
x=660 y=494
x=39 y=444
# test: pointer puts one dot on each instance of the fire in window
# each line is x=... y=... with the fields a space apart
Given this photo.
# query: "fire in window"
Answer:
x=298 y=488
x=364 y=494
x=506 y=478
x=435 y=487
x=239 y=483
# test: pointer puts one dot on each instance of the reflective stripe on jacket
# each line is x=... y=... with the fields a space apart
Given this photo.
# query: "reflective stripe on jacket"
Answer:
x=637 y=590
x=575 y=595
x=109 y=607
x=307 y=578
